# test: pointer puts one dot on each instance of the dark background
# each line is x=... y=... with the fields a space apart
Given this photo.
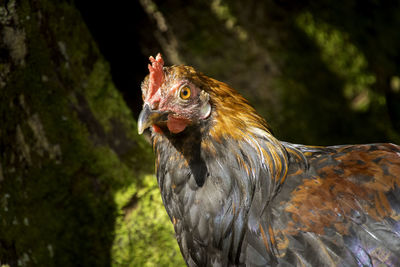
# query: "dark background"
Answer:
x=118 y=30
x=284 y=71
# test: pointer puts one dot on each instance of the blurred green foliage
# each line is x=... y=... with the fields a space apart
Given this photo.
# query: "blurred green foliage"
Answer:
x=144 y=233
x=342 y=58
x=320 y=72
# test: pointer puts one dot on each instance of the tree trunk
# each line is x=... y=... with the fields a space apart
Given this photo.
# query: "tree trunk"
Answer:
x=68 y=143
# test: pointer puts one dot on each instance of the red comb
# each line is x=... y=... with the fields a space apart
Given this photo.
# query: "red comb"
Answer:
x=156 y=76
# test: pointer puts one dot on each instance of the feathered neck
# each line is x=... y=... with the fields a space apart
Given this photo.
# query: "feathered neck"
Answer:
x=233 y=122
x=235 y=119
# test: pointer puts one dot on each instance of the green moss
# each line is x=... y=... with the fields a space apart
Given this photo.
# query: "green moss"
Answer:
x=144 y=233
x=104 y=99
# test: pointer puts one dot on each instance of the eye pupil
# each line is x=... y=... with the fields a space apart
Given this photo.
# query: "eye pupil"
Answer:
x=185 y=93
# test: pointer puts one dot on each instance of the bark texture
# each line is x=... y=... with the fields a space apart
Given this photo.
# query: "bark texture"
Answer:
x=68 y=143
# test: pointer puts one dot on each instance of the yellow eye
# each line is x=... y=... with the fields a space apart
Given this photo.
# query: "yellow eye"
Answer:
x=184 y=93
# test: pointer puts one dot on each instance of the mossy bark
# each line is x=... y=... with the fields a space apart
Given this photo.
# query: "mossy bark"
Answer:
x=68 y=143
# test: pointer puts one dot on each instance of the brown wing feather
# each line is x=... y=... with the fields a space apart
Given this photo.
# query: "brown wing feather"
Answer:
x=349 y=198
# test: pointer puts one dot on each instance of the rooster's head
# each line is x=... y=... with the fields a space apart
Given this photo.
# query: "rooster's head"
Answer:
x=173 y=98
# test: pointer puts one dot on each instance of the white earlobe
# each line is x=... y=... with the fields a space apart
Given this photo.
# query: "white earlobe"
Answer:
x=205 y=110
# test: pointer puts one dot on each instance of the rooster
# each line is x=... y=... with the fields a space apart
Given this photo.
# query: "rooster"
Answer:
x=237 y=196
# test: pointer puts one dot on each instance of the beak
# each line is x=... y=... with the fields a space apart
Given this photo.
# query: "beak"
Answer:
x=148 y=117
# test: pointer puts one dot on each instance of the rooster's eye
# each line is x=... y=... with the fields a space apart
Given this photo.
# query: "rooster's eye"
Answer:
x=184 y=93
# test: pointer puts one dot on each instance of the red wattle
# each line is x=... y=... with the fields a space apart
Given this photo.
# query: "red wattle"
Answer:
x=176 y=125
